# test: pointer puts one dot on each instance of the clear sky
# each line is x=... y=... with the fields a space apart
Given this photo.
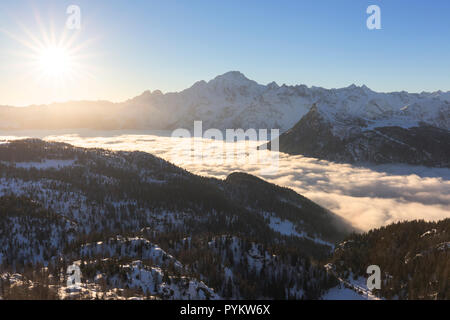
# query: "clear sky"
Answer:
x=131 y=46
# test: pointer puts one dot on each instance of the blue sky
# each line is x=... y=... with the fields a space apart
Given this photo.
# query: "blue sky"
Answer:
x=169 y=45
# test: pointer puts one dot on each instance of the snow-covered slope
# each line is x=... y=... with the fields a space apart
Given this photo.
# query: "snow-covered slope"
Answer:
x=141 y=227
x=412 y=256
x=385 y=137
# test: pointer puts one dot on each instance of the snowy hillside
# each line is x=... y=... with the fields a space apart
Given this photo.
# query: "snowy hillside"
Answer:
x=413 y=258
x=140 y=227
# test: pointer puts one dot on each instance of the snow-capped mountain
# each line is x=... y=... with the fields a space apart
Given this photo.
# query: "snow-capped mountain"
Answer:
x=232 y=101
x=351 y=124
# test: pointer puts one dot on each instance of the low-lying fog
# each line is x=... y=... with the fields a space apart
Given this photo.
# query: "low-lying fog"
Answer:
x=368 y=197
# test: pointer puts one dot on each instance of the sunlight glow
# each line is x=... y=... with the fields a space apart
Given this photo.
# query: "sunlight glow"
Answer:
x=55 y=62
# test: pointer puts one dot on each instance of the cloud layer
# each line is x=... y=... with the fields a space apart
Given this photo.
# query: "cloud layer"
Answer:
x=367 y=197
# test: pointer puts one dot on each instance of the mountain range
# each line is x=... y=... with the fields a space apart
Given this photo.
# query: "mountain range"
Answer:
x=352 y=124
x=232 y=101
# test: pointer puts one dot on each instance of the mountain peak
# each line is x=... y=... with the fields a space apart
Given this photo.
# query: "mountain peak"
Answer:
x=273 y=85
x=235 y=76
x=145 y=96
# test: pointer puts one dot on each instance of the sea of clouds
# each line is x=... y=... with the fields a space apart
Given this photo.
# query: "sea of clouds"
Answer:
x=366 y=196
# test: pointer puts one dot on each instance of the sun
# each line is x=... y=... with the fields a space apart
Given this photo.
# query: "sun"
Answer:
x=55 y=62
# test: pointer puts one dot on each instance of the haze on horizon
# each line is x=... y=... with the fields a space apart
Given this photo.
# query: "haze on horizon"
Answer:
x=122 y=51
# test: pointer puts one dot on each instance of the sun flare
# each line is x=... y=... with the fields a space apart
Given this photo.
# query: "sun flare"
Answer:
x=55 y=62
